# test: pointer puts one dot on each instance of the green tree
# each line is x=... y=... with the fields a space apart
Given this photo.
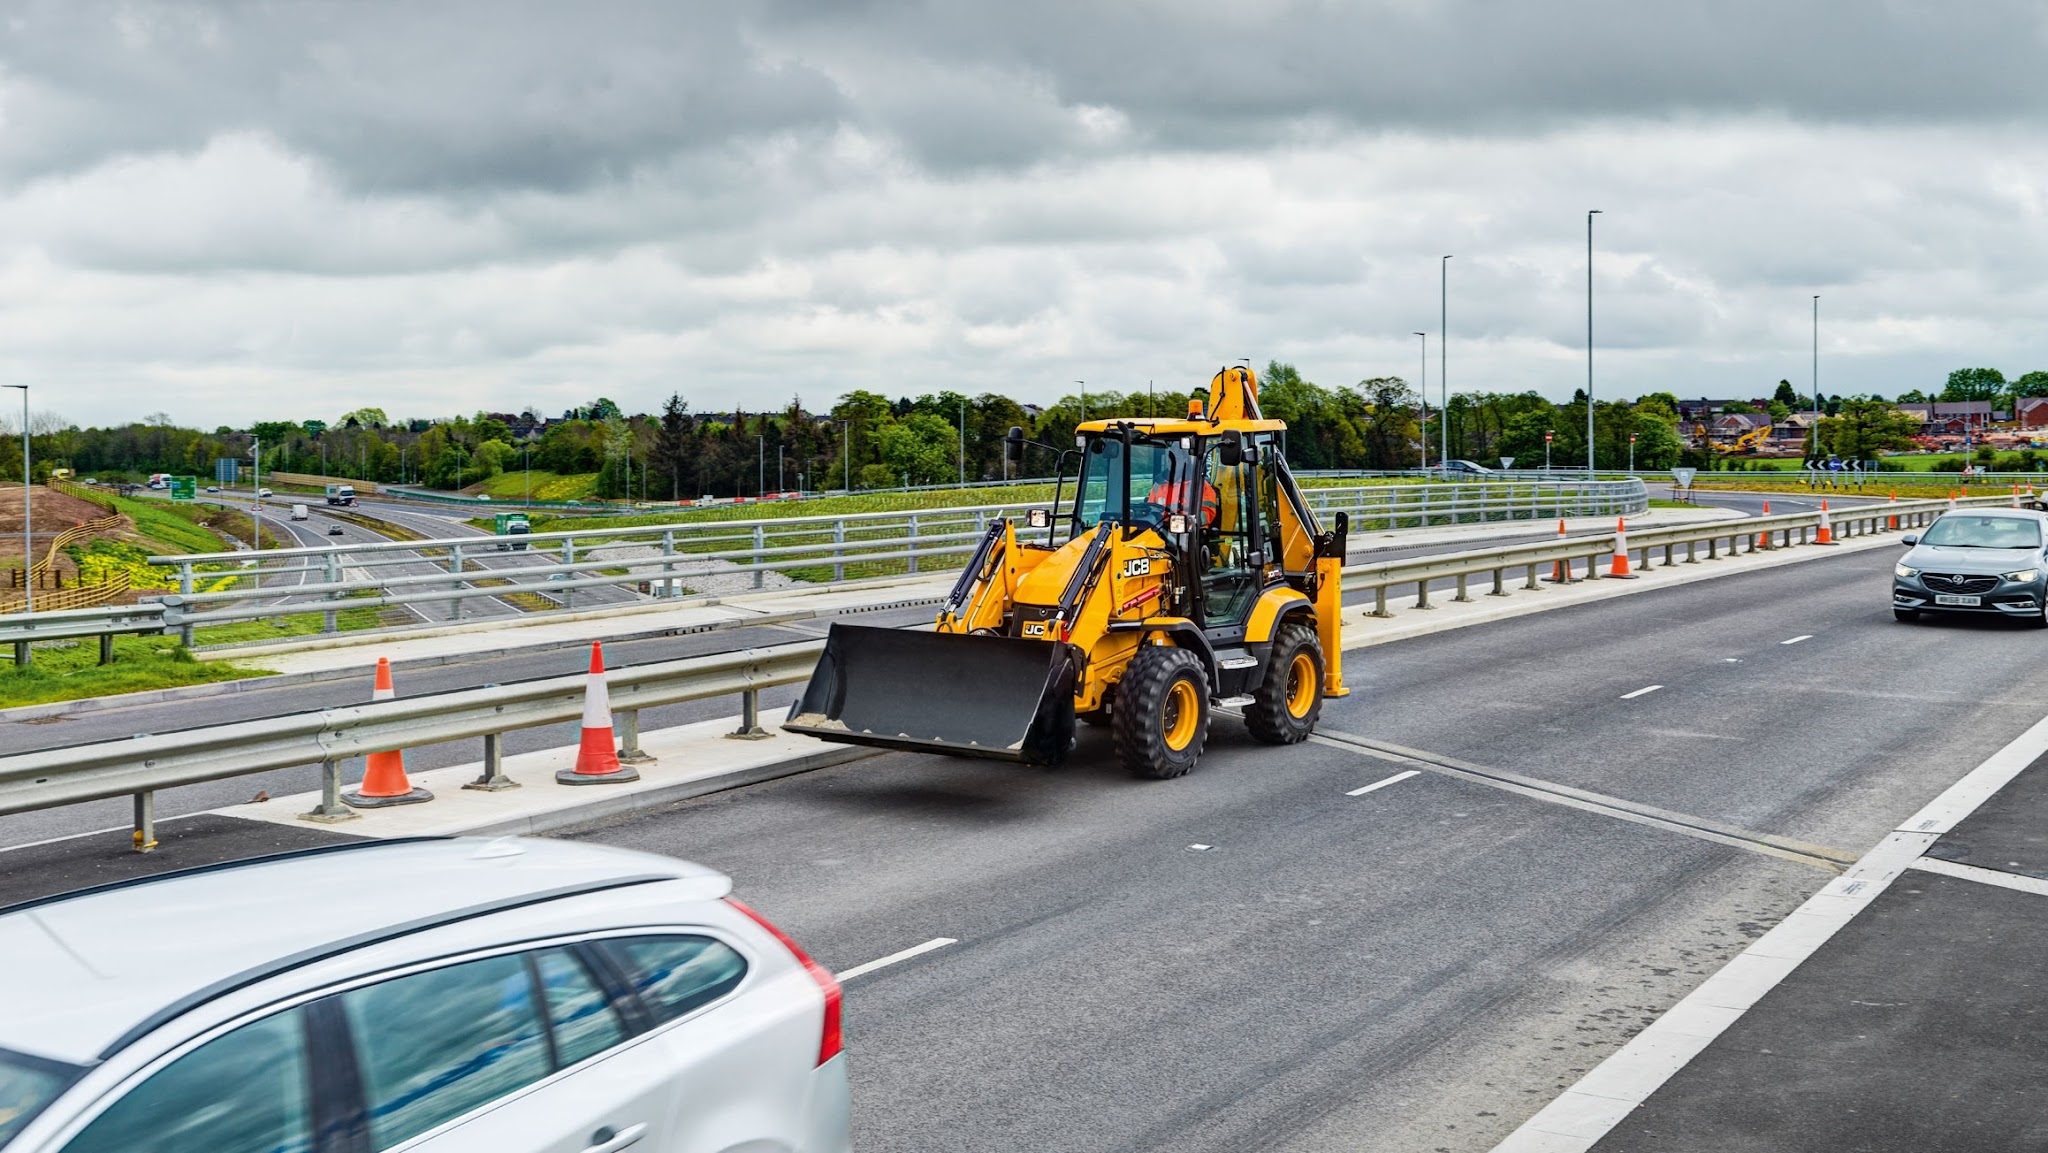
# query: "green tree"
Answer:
x=1866 y=427
x=1779 y=410
x=1738 y=408
x=1974 y=384
x=1392 y=431
x=921 y=446
x=1786 y=395
x=370 y=417
x=671 y=446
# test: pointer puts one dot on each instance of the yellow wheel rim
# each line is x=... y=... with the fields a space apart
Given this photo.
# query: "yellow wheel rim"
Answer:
x=1301 y=685
x=1182 y=713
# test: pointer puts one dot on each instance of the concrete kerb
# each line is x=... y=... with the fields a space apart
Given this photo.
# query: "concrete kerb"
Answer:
x=721 y=764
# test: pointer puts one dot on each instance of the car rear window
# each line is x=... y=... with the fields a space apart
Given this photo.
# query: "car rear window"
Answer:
x=26 y=1085
x=677 y=974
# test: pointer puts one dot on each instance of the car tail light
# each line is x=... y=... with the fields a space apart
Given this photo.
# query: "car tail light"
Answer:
x=830 y=1040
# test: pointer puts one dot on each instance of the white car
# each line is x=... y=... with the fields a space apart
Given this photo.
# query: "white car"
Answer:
x=436 y=994
x=263 y=493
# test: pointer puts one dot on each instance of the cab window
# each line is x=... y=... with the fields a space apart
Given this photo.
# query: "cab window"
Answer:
x=242 y=1092
x=1100 y=491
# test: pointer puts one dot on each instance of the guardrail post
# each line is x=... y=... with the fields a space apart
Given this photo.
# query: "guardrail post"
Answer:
x=106 y=648
x=760 y=542
x=1422 y=594
x=330 y=810
x=630 y=752
x=668 y=568
x=145 y=821
x=21 y=654
x=1530 y=583
x=455 y=568
x=1462 y=596
x=839 y=550
x=185 y=587
x=493 y=778
x=569 y=557
x=1379 y=602
x=912 y=547
x=750 y=719
x=1500 y=588
x=330 y=621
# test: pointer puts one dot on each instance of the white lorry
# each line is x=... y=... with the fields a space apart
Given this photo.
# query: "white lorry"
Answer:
x=299 y=512
x=342 y=494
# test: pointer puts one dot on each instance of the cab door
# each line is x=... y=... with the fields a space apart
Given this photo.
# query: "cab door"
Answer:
x=1232 y=569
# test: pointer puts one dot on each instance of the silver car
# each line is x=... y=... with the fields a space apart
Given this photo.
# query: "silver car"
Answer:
x=1986 y=561
x=428 y=994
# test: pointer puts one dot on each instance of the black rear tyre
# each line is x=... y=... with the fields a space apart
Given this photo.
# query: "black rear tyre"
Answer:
x=1290 y=696
x=1161 y=719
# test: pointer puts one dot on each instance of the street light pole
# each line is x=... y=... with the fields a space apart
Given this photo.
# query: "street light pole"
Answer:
x=1589 y=341
x=1631 y=453
x=1084 y=399
x=28 y=531
x=1443 y=352
x=1424 y=389
x=963 y=443
x=1816 y=373
x=846 y=452
x=760 y=466
x=1546 y=448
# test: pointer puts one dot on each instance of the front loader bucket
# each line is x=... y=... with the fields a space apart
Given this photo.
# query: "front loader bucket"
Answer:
x=1006 y=698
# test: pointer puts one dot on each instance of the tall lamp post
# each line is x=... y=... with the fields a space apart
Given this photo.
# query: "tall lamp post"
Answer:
x=1425 y=400
x=1443 y=352
x=28 y=532
x=1631 y=453
x=846 y=452
x=1083 y=385
x=1589 y=341
x=963 y=442
x=1548 y=434
x=1816 y=374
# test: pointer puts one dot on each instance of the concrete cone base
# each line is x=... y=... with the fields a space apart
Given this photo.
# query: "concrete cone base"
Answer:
x=572 y=777
x=356 y=800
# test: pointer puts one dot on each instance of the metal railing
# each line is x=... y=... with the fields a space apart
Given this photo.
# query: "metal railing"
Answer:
x=1743 y=535
x=666 y=558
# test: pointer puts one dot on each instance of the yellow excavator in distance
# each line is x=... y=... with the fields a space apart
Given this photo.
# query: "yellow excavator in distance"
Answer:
x=1182 y=571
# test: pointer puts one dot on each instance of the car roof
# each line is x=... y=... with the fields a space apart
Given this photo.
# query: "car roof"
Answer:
x=2017 y=513
x=91 y=970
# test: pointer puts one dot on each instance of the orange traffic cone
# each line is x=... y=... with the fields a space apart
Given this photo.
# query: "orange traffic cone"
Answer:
x=384 y=781
x=2015 y=496
x=1892 y=522
x=1827 y=529
x=1561 y=571
x=1763 y=539
x=1951 y=500
x=1620 y=567
x=597 y=757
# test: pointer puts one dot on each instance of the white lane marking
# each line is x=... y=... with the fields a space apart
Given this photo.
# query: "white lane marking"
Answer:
x=1646 y=690
x=1396 y=779
x=1983 y=876
x=100 y=832
x=1580 y=1116
x=1797 y=639
x=893 y=958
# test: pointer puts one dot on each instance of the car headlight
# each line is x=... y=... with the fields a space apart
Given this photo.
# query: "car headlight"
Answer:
x=2024 y=576
x=1904 y=573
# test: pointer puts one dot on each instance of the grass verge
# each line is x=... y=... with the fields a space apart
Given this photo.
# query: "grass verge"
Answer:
x=69 y=671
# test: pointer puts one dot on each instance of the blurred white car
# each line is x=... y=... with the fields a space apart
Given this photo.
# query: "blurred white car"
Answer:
x=439 y=994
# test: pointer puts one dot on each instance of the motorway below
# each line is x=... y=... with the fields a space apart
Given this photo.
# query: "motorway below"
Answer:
x=1337 y=945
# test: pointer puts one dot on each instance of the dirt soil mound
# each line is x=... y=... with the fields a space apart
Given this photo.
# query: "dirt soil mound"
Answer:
x=54 y=512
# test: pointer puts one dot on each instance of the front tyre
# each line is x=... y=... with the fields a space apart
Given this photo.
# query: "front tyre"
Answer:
x=1290 y=696
x=1161 y=718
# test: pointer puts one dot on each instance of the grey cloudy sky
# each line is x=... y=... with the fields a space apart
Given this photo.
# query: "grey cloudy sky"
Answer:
x=234 y=212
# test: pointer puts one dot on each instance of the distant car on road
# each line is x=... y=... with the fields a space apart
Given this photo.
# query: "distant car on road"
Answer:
x=213 y=488
x=1460 y=469
x=264 y=493
x=441 y=994
x=1989 y=561
x=334 y=530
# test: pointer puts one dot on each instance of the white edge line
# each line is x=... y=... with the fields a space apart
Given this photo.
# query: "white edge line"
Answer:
x=1583 y=1114
x=1396 y=779
x=105 y=831
x=1644 y=691
x=893 y=958
x=1797 y=639
x=1983 y=876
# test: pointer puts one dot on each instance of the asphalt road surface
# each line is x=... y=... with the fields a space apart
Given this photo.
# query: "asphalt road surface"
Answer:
x=1516 y=844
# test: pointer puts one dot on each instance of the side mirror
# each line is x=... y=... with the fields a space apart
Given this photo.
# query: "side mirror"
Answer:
x=1013 y=445
x=1038 y=518
x=1231 y=450
x=1909 y=540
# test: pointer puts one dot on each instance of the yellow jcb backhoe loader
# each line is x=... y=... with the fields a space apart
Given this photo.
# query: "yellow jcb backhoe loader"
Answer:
x=1183 y=570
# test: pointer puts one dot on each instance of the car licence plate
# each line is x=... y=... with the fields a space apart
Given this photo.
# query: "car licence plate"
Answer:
x=1960 y=601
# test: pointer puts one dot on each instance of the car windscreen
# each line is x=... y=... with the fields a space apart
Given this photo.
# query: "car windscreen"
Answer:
x=27 y=1084
x=1965 y=531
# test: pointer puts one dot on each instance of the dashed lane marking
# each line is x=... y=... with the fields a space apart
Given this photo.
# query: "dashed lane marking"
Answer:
x=1645 y=691
x=1396 y=779
x=1797 y=639
x=894 y=958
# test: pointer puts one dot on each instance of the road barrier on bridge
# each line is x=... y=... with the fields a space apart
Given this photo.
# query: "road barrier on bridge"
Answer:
x=808 y=547
x=140 y=766
x=1748 y=534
